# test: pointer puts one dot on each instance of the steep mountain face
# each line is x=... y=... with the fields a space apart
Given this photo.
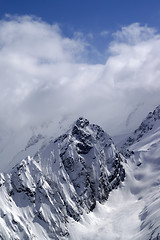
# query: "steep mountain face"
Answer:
x=150 y=122
x=132 y=211
x=143 y=149
x=64 y=179
x=28 y=142
x=147 y=127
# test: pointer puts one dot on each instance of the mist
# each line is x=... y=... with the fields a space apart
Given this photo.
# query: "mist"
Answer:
x=46 y=76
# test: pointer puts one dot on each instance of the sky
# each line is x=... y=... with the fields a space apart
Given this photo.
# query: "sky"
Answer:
x=90 y=58
x=95 y=20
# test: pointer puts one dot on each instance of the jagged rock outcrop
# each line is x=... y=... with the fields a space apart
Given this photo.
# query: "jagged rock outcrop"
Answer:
x=152 y=119
x=66 y=177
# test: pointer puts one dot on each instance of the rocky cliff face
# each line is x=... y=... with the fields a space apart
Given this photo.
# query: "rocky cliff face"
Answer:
x=149 y=123
x=65 y=178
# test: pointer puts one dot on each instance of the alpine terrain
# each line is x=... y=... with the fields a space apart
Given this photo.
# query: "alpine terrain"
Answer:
x=132 y=210
x=65 y=178
x=81 y=186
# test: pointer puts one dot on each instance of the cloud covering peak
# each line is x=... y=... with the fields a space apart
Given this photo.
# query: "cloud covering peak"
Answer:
x=46 y=75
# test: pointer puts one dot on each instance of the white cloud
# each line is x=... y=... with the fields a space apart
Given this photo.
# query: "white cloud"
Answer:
x=134 y=33
x=104 y=33
x=43 y=75
x=136 y=58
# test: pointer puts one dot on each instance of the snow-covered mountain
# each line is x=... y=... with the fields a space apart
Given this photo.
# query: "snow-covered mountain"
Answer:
x=80 y=186
x=66 y=178
x=28 y=140
x=132 y=210
x=151 y=122
x=143 y=172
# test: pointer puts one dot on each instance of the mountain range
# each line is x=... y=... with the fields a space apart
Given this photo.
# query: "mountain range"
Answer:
x=82 y=185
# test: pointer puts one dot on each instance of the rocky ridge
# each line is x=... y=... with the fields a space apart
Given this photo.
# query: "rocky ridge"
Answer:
x=66 y=177
x=148 y=124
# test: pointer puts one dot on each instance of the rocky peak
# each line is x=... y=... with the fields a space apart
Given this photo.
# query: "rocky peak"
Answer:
x=156 y=113
x=80 y=130
x=65 y=178
x=86 y=135
x=150 y=122
x=82 y=122
x=91 y=161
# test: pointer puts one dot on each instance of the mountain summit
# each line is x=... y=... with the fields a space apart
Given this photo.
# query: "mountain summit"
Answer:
x=149 y=123
x=64 y=179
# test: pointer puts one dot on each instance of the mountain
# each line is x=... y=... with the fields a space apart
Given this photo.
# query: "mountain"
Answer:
x=80 y=186
x=151 y=122
x=65 y=179
x=143 y=171
x=132 y=210
x=29 y=141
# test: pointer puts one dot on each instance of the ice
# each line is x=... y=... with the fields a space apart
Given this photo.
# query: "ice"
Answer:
x=46 y=196
x=132 y=211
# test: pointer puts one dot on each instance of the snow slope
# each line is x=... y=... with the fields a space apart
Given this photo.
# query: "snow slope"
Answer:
x=132 y=211
x=61 y=192
x=150 y=124
x=28 y=140
x=65 y=178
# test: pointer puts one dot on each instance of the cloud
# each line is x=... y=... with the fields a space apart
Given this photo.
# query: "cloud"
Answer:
x=33 y=55
x=134 y=33
x=46 y=75
x=135 y=53
x=104 y=33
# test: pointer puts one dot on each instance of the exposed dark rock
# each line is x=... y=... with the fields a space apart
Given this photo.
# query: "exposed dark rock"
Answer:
x=66 y=177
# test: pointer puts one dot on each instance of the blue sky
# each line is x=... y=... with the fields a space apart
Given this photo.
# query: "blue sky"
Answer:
x=87 y=15
x=91 y=17
x=83 y=58
x=60 y=60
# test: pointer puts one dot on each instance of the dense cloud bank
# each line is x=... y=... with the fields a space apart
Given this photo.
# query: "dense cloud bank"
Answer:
x=46 y=75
